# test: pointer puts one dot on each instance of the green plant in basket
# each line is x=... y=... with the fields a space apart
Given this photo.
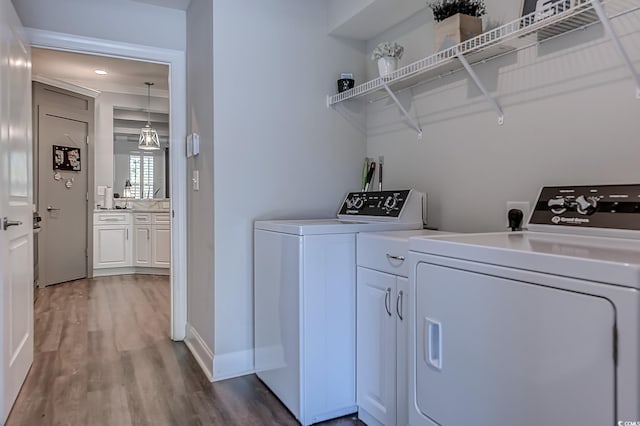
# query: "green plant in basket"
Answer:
x=442 y=9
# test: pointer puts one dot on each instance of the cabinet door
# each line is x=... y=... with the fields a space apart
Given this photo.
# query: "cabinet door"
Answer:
x=161 y=246
x=376 y=343
x=402 y=352
x=111 y=246
x=142 y=246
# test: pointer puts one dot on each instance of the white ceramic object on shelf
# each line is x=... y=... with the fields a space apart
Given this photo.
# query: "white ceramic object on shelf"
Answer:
x=387 y=65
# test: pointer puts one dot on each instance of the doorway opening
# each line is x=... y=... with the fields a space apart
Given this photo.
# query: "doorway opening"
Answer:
x=173 y=158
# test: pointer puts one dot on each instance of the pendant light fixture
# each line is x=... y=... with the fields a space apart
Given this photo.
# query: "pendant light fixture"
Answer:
x=148 y=136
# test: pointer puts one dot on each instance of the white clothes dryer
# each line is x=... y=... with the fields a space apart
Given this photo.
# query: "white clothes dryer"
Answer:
x=531 y=328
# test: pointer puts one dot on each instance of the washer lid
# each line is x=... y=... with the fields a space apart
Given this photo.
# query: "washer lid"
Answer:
x=601 y=259
x=330 y=226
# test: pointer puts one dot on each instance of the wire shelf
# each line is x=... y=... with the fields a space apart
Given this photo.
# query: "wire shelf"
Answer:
x=555 y=19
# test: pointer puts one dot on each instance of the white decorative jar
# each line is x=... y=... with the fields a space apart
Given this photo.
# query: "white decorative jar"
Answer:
x=387 y=65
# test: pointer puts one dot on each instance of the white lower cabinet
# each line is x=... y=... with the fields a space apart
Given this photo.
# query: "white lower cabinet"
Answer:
x=142 y=245
x=161 y=246
x=112 y=246
x=129 y=242
x=382 y=333
x=111 y=240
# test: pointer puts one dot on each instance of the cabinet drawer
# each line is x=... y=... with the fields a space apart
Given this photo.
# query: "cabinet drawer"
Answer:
x=161 y=218
x=383 y=254
x=142 y=218
x=111 y=218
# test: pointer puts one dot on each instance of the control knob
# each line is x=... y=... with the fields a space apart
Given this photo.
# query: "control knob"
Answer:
x=586 y=205
x=390 y=202
x=358 y=203
x=557 y=205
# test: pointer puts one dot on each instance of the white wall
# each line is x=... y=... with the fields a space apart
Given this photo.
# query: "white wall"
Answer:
x=120 y=20
x=200 y=120
x=105 y=103
x=279 y=152
x=571 y=117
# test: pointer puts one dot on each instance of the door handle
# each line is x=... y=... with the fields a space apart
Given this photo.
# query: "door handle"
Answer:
x=433 y=343
x=387 y=301
x=400 y=258
x=7 y=223
x=49 y=208
x=399 y=303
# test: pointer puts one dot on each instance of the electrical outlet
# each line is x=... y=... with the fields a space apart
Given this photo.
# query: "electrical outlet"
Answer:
x=525 y=206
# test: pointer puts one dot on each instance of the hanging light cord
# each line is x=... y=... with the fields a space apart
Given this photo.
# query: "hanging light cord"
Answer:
x=149 y=84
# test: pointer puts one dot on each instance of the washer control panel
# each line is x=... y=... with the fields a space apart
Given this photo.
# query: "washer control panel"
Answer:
x=375 y=203
x=601 y=206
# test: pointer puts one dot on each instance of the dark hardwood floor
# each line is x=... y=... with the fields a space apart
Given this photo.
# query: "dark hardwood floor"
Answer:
x=103 y=357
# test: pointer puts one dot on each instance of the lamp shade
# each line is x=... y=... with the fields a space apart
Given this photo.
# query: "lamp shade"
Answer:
x=149 y=140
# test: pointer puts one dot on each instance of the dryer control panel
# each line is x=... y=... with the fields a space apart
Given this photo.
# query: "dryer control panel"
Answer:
x=375 y=204
x=600 y=206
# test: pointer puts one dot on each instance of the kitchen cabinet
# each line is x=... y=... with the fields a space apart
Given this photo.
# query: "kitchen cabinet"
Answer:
x=161 y=241
x=130 y=242
x=382 y=326
x=142 y=239
x=111 y=240
x=554 y=19
x=382 y=333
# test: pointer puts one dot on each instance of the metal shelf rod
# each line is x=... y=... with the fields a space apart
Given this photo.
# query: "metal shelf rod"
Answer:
x=606 y=23
x=414 y=125
x=478 y=83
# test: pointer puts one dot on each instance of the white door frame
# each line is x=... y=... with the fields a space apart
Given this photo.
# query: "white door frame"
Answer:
x=178 y=130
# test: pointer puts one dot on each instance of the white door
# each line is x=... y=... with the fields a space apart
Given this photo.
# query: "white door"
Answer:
x=376 y=343
x=493 y=351
x=16 y=198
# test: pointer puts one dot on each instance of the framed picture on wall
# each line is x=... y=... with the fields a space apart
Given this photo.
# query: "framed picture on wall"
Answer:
x=546 y=8
x=66 y=158
x=543 y=9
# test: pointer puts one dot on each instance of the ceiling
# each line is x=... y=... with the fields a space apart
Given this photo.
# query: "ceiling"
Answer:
x=172 y=4
x=124 y=76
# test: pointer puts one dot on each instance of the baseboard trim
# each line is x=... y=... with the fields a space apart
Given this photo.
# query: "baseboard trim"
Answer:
x=105 y=272
x=233 y=364
x=200 y=351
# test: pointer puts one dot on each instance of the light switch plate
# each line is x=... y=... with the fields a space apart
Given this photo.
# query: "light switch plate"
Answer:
x=101 y=189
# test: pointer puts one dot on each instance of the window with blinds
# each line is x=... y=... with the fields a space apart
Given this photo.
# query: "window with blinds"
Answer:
x=141 y=175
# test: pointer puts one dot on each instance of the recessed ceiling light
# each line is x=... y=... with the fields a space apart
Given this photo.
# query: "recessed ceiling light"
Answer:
x=100 y=72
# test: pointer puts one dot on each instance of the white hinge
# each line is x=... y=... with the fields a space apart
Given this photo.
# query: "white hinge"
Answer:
x=87 y=196
x=87 y=139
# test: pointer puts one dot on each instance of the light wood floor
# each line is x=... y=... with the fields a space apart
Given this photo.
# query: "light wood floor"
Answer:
x=103 y=357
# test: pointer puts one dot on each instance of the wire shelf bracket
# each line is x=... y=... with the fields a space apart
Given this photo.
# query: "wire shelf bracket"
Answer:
x=480 y=86
x=529 y=30
x=606 y=23
x=412 y=122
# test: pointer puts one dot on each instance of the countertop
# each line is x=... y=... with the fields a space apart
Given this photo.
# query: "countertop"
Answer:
x=131 y=211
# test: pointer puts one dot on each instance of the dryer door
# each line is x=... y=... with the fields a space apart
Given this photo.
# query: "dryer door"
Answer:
x=492 y=351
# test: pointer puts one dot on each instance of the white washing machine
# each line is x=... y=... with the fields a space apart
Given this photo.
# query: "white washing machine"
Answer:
x=531 y=328
x=305 y=301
